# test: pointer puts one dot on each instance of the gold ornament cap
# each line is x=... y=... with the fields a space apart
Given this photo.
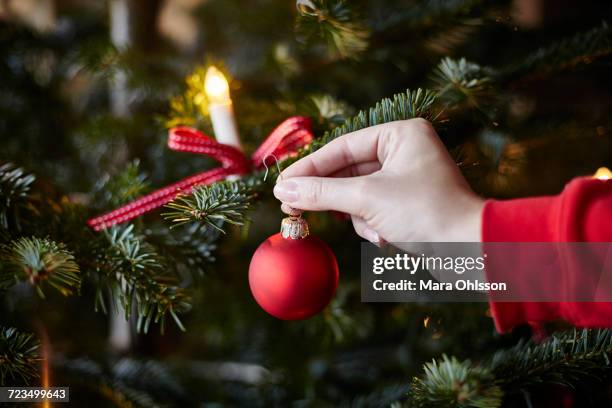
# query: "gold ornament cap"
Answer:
x=294 y=228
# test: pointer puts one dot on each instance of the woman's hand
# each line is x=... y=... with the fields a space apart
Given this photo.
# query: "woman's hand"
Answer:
x=397 y=181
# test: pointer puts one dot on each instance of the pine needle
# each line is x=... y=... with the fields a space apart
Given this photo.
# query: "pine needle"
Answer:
x=335 y=23
x=19 y=356
x=451 y=383
x=15 y=185
x=213 y=205
x=407 y=105
x=40 y=262
x=580 y=49
x=135 y=273
x=459 y=82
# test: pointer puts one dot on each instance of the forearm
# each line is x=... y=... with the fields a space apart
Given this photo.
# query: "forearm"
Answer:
x=581 y=213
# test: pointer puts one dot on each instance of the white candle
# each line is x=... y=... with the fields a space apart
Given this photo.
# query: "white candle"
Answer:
x=220 y=108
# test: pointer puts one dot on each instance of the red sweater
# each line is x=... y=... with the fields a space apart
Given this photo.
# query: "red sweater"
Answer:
x=581 y=213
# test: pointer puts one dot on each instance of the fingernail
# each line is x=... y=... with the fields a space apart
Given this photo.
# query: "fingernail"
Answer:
x=371 y=235
x=286 y=191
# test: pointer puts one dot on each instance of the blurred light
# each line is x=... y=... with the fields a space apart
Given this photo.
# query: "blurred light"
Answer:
x=45 y=366
x=216 y=86
x=426 y=322
x=603 y=173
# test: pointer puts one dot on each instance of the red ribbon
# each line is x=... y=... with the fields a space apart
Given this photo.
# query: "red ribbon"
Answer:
x=284 y=140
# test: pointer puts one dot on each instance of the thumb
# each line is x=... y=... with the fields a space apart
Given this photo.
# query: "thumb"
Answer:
x=321 y=193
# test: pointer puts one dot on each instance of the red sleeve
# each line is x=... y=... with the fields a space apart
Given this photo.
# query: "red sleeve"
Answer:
x=581 y=213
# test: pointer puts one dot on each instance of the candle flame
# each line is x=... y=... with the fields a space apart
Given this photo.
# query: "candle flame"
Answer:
x=216 y=86
x=603 y=173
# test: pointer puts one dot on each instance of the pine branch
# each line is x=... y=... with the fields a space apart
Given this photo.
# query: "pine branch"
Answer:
x=450 y=383
x=14 y=188
x=407 y=105
x=136 y=274
x=333 y=22
x=189 y=249
x=567 y=358
x=462 y=83
x=123 y=188
x=39 y=262
x=324 y=109
x=213 y=205
x=429 y=12
x=127 y=382
x=382 y=397
x=102 y=60
x=442 y=24
x=18 y=356
x=99 y=58
x=580 y=49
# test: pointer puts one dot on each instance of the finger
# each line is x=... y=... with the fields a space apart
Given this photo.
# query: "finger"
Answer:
x=322 y=193
x=356 y=147
x=359 y=169
x=363 y=230
x=287 y=209
x=374 y=143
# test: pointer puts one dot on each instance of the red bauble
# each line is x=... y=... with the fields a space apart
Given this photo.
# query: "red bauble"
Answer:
x=293 y=275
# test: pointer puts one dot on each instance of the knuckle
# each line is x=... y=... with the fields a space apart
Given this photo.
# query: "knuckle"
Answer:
x=420 y=126
x=421 y=122
x=401 y=127
x=314 y=192
x=410 y=126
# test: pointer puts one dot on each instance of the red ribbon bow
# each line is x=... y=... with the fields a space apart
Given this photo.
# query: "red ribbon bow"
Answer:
x=284 y=140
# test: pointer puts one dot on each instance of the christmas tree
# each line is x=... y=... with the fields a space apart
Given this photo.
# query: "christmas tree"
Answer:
x=152 y=307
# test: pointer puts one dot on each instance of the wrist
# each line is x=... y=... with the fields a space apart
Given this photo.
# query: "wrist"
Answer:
x=464 y=223
x=470 y=225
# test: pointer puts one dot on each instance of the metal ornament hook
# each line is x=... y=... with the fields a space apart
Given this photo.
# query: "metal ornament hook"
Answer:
x=267 y=169
x=295 y=213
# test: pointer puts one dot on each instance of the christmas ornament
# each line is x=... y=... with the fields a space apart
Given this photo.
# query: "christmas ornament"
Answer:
x=293 y=275
x=284 y=140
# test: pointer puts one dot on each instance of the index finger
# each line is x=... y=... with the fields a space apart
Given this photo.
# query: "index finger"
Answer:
x=352 y=148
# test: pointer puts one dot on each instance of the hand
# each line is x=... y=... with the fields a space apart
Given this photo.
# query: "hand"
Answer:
x=397 y=182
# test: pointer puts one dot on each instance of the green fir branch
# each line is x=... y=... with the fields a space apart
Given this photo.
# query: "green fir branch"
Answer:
x=407 y=105
x=426 y=13
x=103 y=61
x=189 y=249
x=451 y=383
x=39 y=262
x=126 y=382
x=333 y=22
x=390 y=395
x=578 y=50
x=442 y=24
x=19 y=356
x=126 y=186
x=462 y=83
x=15 y=185
x=137 y=275
x=325 y=110
x=568 y=358
x=213 y=205
x=99 y=58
